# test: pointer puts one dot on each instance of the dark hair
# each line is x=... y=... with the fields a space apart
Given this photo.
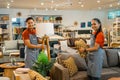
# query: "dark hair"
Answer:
x=29 y=19
x=100 y=28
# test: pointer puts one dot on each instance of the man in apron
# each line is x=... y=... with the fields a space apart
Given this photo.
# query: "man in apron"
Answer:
x=32 y=46
x=95 y=55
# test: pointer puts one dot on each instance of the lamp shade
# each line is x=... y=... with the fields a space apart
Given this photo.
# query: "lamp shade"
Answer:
x=44 y=29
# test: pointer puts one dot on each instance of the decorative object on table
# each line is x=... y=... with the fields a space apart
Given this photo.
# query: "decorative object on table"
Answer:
x=13 y=61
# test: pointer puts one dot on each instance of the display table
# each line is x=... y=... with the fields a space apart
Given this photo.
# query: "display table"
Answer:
x=8 y=68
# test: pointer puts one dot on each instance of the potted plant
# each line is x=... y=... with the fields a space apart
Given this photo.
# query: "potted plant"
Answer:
x=43 y=65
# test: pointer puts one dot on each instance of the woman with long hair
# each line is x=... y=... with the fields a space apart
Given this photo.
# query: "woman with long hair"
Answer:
x=95 y=55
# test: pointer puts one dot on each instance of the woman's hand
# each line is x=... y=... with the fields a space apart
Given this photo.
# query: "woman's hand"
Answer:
x=81 y=49
x=40 y=46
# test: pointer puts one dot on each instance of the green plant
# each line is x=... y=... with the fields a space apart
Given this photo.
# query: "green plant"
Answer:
x=43 y=65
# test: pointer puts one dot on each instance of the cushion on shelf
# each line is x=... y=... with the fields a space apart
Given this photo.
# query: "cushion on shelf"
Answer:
x=70 y=64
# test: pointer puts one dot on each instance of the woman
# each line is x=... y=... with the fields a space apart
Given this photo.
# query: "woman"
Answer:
x=32 y=47
x=95 y=55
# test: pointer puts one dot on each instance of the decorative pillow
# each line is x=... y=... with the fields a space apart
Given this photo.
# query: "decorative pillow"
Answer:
x=80 y=62
x=70 y=64
x=63 y=44
x=35 y=75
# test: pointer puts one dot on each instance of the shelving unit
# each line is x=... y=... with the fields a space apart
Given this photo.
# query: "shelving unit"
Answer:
x=116 y=31
x=4 y=22
x=56 y=19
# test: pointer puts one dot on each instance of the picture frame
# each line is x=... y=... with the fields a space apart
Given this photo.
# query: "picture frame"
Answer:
x=89 y=24
x=82 y=24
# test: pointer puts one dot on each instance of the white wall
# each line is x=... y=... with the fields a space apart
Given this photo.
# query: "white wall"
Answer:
x=69 y=16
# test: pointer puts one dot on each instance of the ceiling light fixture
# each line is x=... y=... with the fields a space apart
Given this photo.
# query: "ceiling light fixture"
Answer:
x=8 y=4
x=118 y=3
x=98 y=1
x=82 y=5
x=52 y=1
x=110 y=5
x=80 y=2
x=12 y=1
x=42 y=3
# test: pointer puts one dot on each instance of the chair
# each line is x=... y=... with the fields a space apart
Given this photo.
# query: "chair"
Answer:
x=10 y=46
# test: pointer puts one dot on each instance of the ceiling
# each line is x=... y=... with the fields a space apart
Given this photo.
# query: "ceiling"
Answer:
x=61 y=4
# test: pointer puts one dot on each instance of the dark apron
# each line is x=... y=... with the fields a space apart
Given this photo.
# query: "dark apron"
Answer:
x=95 y=60
x=31 y=54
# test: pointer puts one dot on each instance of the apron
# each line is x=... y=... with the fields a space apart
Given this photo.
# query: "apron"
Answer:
x=31 y=54
x=95 y=60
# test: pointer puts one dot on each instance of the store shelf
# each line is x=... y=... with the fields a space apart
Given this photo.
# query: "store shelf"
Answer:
x=116 y=32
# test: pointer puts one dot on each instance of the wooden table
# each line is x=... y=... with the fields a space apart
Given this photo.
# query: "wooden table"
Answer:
x=8 y=68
